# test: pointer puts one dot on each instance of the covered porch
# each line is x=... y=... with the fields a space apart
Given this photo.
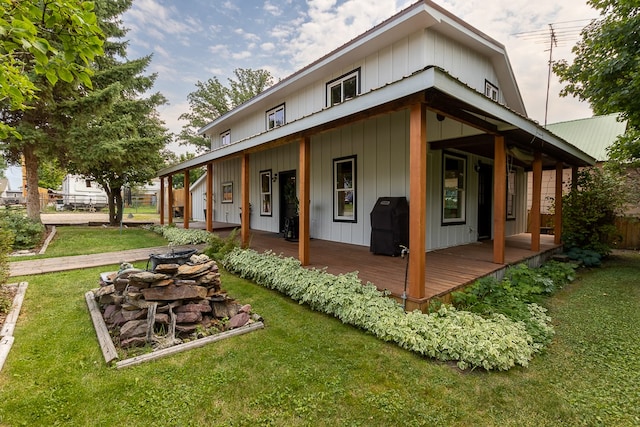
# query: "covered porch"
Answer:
x=447 y=270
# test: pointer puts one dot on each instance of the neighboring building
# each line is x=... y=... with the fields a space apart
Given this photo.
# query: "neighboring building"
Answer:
x=423 y=106
x=593 y=135
x=81 y=193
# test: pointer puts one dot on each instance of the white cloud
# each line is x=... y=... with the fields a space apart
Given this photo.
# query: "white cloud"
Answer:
x=241 y=55
x=272 y=9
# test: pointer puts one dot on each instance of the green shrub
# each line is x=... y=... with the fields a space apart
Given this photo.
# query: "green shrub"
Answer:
x=490 y=342
x=217 y=247
x=180 y=236
x=27 y=232
x=590 y=208
x=517 y=296
x=6 y=242
x=587 y=257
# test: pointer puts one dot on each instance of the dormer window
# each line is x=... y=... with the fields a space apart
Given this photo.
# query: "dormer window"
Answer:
x=225 y=138
x=343 y=88
x=275 y=117
x=491 y=90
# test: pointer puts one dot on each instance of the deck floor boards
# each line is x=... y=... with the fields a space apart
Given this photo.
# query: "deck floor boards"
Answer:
x=446 y=269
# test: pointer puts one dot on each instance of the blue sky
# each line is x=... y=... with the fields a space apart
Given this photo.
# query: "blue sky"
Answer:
x=193 y=40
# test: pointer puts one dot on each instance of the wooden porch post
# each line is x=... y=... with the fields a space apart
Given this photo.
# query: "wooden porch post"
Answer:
x=244 y=201
x=170 y=198
x=418 y=200
x=305 y=202
x=187 y=201
x=500 y=198
x=535 y=201
x=208 y=205
x=557 y=217
x=161 y=200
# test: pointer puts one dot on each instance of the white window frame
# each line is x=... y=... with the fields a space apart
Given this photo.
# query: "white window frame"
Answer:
x=265 y=193
x=454 y=185
x=344 y=190
x=491 y=91
x=225 y=138
x=339 y=83
x=273 y=119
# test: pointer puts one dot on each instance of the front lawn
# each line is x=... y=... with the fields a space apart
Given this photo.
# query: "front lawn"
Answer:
x=306 y=368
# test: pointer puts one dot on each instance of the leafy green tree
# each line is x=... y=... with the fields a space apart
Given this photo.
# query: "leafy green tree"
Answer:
x=50 y=174
x=590 y=209
x=46 y=48
x=211 y=99
x=122 y=142
x=194 y=174
x=606 y=70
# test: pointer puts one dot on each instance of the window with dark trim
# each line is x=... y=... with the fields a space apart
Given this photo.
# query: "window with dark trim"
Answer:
x=225 y=138
x=344 y=189
x=454 y=189
x=491 y=90
x=265 y=193
x=343 y=88
x=275 y=117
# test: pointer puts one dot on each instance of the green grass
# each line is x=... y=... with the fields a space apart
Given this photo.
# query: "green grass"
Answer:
x=81 y=240
x=306 y=368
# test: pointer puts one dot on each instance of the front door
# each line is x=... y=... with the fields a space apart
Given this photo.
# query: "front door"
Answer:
x=288 y=198
x=485 y=200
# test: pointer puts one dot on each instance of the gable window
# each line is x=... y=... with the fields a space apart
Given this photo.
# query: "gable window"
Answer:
x=87 y=183
x=511 y=195
x=275 y=117
x=453 y=189
x=344 y=189
x=343 y=88
x=491 y=90
x=225 y=138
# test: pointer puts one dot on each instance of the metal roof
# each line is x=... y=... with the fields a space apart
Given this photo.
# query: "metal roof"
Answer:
x=592 y=135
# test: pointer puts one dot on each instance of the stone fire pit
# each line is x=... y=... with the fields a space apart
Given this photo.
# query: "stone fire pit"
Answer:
x=175 y=306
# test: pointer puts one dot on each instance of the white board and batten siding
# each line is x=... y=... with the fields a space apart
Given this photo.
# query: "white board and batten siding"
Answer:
x=386 y=65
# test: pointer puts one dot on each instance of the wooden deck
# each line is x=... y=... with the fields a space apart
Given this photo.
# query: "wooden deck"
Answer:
x=446 y=269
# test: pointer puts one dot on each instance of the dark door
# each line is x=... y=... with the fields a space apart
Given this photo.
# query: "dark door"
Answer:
x=485 y=201
x=288 y=197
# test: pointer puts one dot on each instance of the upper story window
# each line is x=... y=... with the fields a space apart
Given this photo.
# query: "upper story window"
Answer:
x=275 y=117
x=225 y=138
x=343 y=88
x=491 y=90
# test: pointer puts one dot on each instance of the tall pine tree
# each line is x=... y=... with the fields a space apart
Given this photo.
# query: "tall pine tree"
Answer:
x=121 y=142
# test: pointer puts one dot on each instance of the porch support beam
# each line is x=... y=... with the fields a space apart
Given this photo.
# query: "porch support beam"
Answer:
x=305 y=201
x=500 y=198
x=557 y=217
x=161 y=200
x=244 y=201
x=418 y=200
x=535 y=201
x=187 y=201
x=208 y=205
x=170 y=201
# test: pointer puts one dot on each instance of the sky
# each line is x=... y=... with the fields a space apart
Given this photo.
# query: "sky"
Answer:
x=194 y=40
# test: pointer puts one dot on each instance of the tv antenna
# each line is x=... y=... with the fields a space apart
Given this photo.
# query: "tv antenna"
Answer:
x=557 y=35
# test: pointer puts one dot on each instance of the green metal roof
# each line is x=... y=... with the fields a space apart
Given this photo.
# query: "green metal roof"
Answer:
x=592 y=135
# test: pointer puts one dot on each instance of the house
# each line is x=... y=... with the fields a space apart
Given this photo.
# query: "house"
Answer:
x=423 y=106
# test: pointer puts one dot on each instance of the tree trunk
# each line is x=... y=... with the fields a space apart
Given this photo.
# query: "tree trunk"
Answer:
x=114 y=196
x=31 y=172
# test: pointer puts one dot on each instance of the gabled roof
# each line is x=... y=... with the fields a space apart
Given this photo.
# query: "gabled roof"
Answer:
x=420 y=15
x=592 y=135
